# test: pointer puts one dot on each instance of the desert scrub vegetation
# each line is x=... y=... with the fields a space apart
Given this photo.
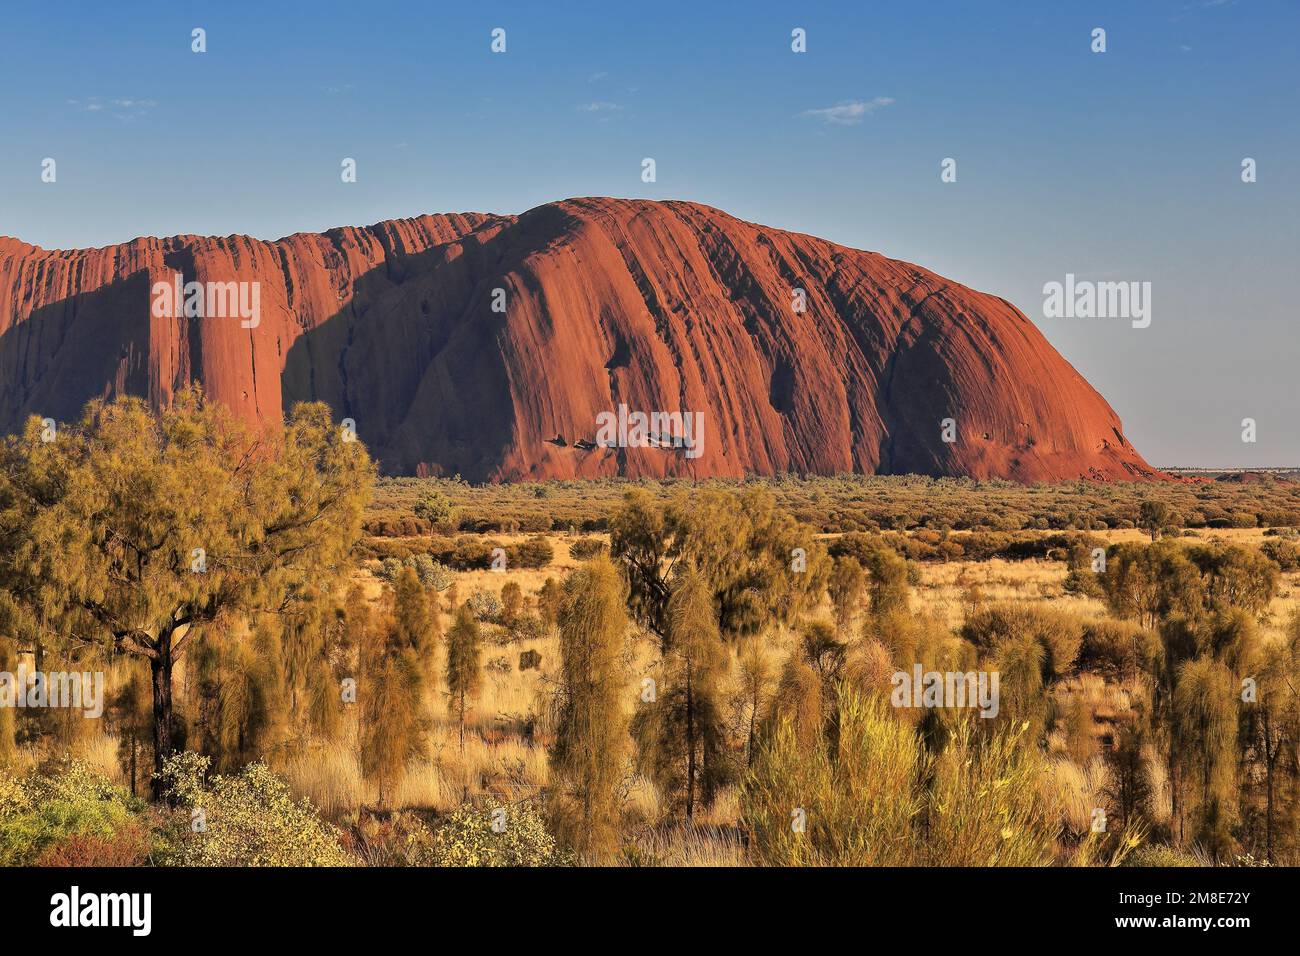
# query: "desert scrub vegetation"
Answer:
x=466 y=552
x=65 y=814
x=864 y=503
x=246 y=819
x=510 y=835
x=657 y=673
x=875 y=796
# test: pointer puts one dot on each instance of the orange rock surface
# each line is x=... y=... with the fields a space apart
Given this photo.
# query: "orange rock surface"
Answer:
x=668 y=306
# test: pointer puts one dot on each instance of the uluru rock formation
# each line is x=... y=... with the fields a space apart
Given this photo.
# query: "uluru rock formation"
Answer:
x=669 y=306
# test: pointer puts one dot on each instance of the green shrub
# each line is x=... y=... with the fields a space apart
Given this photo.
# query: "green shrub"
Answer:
x=435 y=510
x=531 y=553
x=1059 y=632
x=485 y=605
x=471 y=554
x=1235 y=576
x=60 y=802
x=430 y=572
x=248 y=819
x=528 y=627
x=401 y=526
x=1084 y=582
x=1286 y=554
x=986 y=806
x=468 y=837
x=1117 y=649
x=584 y=549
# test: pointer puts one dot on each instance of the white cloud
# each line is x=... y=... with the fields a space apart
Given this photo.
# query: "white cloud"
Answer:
x=850 y=112
x=599 y=106
x=124 y=108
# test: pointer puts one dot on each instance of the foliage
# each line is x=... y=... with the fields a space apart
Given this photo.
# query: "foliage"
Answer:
x=247 y=819
x=1236 y=578
x=396 y=662
x=1285 y=554
x=512 y=603
x=1154 y=583
x=589 y=759
x=131 y=530
x=484 y=605
x=466 y=837
x=1160 y=856
x=1155 y=517
x=681 y=733
x=1205 y=729
x=762 y=566
x=1058 y=632
x=431 y=573
x=847 y=583
x=878 y=798
x=550 y=598
x=1151 y=583
x=889 y=578
x=1118 y=649
x=872 y=503
x=464 y=673
x=59 y=809
x=986 y=806
x=584 y=549
x=856 y=804
x=436 y=508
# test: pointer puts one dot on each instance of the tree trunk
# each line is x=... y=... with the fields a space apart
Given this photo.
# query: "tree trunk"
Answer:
x=690 y=749
x=161 y=672
x=1175 y=791
x=1268 y=818
x=461 y=709
x=1270 y=758
x=749 y=744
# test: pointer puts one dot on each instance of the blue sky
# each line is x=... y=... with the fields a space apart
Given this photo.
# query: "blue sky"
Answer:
x=1116 y=166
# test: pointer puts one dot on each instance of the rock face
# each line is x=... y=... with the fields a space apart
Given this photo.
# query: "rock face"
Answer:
x=659 y=306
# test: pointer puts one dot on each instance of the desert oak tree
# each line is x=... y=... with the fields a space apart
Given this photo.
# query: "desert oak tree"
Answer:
x=131 y=529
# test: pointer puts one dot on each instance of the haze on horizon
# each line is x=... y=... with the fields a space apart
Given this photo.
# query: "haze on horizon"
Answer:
x=1120 y=166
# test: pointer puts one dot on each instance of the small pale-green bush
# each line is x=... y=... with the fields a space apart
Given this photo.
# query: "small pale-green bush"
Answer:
x=468 y=837
x=246 y=819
